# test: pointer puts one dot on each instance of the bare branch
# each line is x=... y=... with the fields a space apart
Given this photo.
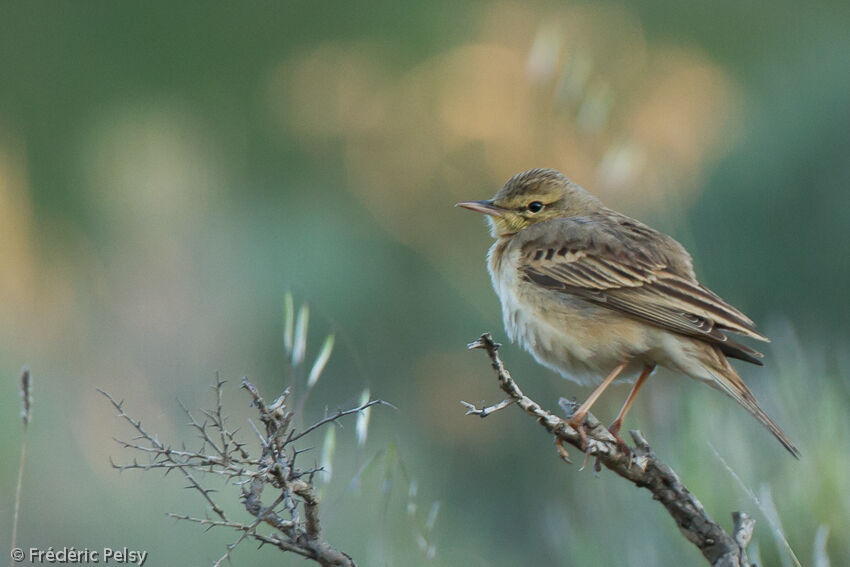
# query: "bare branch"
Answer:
x=274 y=469
x=336 y=416
x=163 y=452
x=641 y=467
x=282 y=544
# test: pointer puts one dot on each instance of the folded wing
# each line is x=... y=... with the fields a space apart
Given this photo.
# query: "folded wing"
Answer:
x=618 y=263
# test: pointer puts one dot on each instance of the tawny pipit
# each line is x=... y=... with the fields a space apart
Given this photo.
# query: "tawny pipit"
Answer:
x=594 y=294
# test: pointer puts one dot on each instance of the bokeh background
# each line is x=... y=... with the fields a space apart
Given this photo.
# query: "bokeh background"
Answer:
x=168 y=171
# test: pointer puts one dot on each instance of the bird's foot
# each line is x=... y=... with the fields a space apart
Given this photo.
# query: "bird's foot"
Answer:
x=621 y=443
x=577 y=423
x=562 y=451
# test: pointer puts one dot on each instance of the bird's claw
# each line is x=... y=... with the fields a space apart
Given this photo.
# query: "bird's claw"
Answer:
x=562 y=451
x=621 y=443
x=579 y=427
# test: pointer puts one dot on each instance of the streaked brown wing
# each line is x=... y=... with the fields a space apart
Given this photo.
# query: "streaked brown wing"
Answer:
x=641 y=273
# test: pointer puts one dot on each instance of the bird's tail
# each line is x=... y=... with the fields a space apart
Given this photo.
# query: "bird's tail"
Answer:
x=727 y=380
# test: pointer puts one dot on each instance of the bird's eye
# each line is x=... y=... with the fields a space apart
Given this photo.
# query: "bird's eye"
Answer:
x=535 y=206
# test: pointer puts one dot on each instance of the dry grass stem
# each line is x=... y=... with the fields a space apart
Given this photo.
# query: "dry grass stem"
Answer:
x=26 y=416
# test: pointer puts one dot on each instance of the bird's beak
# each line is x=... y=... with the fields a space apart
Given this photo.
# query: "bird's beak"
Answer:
x=486 y=207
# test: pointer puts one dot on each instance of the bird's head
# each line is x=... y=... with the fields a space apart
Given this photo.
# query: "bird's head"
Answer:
x=530 y=197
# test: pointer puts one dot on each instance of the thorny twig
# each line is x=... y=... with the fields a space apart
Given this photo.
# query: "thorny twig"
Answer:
x=485 y=411
x=222 y=454
x=642 y=467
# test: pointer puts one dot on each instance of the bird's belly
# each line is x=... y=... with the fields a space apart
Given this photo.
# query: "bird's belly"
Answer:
x=580 y=341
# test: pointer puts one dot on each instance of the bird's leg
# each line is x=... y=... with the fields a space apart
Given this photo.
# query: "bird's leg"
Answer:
x=618 y=423
x=577 y=420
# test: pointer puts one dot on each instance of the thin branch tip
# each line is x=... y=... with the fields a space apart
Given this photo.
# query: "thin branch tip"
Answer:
x=483 y=412
x=485 y=341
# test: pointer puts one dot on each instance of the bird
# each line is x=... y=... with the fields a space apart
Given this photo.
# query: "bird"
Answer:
x=600 y=297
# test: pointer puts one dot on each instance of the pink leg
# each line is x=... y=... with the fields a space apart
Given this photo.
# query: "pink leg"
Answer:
x=577 y=421
x=618 y=423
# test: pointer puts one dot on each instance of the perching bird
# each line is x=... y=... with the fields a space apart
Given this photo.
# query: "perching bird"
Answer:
x=594 y=294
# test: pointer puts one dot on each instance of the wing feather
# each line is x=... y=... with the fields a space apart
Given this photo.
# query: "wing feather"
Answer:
x=636 y=271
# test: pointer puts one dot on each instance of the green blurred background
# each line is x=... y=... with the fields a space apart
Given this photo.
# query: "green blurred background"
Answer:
x=168 y=171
